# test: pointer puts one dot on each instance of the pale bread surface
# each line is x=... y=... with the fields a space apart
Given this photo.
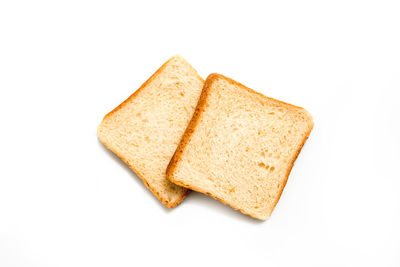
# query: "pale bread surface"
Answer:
x=145 y=130
x=240 y=146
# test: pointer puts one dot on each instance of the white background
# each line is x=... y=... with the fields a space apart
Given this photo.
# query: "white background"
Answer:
x=66 y=201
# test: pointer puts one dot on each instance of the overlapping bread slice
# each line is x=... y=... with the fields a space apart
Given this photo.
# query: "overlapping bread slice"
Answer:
x=145 y=130
x=240 y=146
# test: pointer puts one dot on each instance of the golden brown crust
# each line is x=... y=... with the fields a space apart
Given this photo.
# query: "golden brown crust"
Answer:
x=216 y=75
x=152 y=77
x=144 y=85
x=291 y=165
x=164 y=201
x=195 y=120
x=190 y=128
x=194 y=188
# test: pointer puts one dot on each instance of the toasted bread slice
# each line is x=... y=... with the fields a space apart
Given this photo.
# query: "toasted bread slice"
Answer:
x=145 y=130
x=240 y=146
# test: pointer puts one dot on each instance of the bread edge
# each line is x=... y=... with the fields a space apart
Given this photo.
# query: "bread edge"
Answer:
x=194 y=122
x=189 y=129
x=163 y=201
x=150 y=80
x=152 y=77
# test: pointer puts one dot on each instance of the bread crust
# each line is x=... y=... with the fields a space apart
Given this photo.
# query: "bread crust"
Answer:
x=190 y=128
x=167 y=203
x=193 y=124
x=163 y=200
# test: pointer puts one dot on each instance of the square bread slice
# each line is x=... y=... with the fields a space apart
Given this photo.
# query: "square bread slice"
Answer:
x=145 y=130
x=240 y=146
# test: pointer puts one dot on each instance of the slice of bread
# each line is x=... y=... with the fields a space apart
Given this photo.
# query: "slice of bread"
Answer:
x=240 y=146
x=145 y=130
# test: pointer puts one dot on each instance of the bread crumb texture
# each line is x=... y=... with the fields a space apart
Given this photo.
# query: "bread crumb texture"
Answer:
x=145 y=129
x=240 y=146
